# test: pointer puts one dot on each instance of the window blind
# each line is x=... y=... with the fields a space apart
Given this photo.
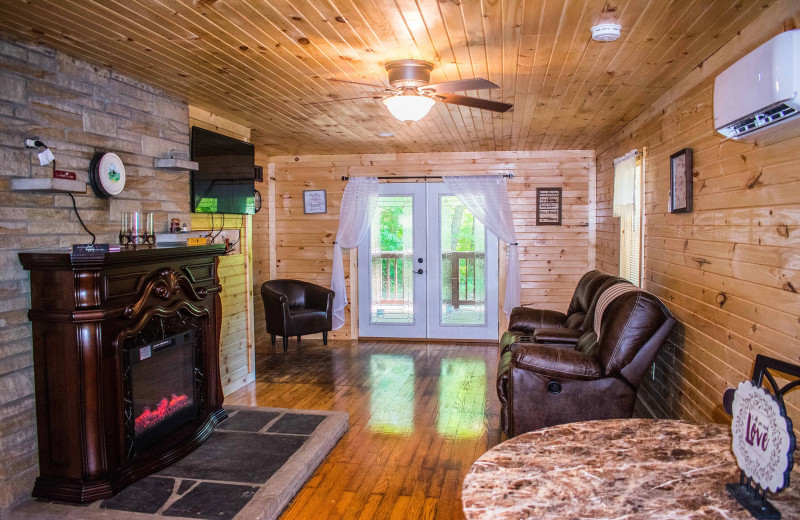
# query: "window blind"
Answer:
x=628 y=206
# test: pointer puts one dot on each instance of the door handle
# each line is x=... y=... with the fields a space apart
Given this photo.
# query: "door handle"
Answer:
x=419 y=260
x=419 y=271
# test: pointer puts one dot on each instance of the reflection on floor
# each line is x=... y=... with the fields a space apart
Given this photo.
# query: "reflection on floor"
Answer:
x=391 y=403
x=420 y=414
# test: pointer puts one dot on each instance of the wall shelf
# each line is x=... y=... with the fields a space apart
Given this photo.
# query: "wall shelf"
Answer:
x=48 y=185
x=175 y=165
x=233 y=235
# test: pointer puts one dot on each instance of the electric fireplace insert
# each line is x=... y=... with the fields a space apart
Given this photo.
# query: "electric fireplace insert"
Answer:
x=162 y=387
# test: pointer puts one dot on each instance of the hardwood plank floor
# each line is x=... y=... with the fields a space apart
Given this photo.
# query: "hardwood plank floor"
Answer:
x=420 y=414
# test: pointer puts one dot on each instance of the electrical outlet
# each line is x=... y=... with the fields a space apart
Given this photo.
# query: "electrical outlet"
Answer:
x=30 y=143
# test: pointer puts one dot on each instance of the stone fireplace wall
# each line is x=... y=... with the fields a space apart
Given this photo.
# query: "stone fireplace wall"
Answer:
x=75 y=108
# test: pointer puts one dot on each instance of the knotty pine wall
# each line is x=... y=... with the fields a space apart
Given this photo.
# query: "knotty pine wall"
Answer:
x=730 y=270
x=237 y=339
x=552 y=257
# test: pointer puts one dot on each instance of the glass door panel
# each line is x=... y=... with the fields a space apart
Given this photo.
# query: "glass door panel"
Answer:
x=462 y=277
x=392 y=286
x=463 y=265
x=391 y=291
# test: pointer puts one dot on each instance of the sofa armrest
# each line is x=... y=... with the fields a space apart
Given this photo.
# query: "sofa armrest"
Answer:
x=273 y=297
x=318 y=297
x=525 y=319
x=559 y=336
x=552 y=361
x=503 y=368
x=276 y=311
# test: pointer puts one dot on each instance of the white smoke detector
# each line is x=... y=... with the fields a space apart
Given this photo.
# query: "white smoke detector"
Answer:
x=606 y=32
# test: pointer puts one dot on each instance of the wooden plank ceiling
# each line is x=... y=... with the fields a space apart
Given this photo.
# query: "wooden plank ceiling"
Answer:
x=258 y=62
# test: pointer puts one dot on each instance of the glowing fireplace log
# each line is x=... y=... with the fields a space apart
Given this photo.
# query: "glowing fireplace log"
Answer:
x=149 y=418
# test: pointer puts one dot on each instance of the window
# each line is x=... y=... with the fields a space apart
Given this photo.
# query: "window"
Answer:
x=628 y=207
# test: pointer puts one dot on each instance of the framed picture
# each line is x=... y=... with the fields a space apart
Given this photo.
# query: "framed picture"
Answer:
x=680 y=181
x=548 y=206
x=314 y=201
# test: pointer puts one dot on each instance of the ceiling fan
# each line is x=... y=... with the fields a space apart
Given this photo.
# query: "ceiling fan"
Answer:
x=411 y=95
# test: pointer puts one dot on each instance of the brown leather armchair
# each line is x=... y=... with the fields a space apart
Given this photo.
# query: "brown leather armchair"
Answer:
x=297 y=308
x=543 y=385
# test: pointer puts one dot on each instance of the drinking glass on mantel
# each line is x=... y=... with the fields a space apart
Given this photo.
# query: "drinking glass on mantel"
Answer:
x=123 y=229
x=147 y=230
x=128 y=228
x=136 y=228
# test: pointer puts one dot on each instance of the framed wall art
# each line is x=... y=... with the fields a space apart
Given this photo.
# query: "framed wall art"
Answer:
x=314 y=201
x=680 y=181
x=548 y=206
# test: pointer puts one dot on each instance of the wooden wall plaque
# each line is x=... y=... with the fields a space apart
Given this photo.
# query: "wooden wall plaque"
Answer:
x=548 y=206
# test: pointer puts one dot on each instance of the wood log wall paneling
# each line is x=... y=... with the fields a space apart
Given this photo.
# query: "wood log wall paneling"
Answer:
x=237 y=352
x=259 y=62
x=261 y=248
x=552 y=257
x=729 y=271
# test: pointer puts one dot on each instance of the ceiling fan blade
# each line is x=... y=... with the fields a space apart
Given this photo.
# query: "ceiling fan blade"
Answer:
x=359 y=83
x=483 y=104
x=342 y=99
x=461 y=84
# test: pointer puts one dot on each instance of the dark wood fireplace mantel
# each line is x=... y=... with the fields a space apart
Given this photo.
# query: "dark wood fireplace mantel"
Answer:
x=86 y=314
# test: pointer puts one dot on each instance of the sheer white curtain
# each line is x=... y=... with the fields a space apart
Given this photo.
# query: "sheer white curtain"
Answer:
x=486 y=197
x=358 y=207
x=624 y=181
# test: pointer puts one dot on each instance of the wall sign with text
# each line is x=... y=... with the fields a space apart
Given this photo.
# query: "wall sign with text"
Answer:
x=761 y=439
x=548 y=206
x=763 y=435
x=314 y=201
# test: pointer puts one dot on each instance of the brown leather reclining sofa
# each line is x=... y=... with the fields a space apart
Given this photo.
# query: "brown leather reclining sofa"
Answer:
x=548 y=326
x=552 y=373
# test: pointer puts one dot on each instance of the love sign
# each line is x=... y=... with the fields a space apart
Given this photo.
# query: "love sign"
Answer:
x=762 y=438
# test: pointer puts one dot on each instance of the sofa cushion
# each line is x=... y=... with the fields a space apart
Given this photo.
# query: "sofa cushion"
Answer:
x=628 y=323
x=309 y=320
x=600 y=288
x=584 y=291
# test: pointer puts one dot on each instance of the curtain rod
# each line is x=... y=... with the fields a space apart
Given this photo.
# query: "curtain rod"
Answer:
x=346 y=178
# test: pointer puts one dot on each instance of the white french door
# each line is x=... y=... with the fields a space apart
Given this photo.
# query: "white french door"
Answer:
x=391 y=290
x=429 y=268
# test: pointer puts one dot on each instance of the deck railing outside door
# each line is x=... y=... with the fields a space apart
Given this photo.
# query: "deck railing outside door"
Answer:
x=392 y=286
x=462 y=278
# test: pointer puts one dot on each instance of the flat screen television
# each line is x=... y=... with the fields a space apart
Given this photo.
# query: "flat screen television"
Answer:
x=225 y=179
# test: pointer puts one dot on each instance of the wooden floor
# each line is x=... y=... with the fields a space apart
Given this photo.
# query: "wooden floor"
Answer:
x=420 y=414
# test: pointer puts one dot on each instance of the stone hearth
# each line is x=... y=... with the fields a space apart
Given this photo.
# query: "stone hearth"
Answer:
x=249 y=468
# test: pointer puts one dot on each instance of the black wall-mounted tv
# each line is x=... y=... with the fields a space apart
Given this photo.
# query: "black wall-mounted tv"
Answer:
x=224 y=181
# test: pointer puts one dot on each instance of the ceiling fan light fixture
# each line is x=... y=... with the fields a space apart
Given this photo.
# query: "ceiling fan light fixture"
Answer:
x=409 y=107
x=606 y=32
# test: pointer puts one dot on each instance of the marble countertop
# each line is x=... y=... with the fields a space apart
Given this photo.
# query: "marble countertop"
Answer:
x=624 y=468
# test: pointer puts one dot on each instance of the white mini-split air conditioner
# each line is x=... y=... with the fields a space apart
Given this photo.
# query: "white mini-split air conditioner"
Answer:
x=761 y=90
